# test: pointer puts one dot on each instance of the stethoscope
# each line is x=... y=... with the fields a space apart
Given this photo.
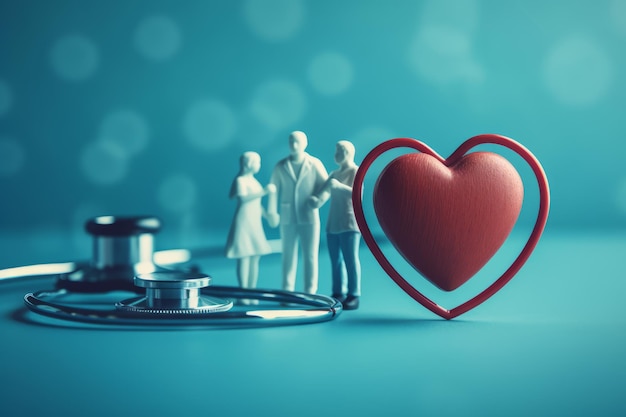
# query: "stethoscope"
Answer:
x=128 y=283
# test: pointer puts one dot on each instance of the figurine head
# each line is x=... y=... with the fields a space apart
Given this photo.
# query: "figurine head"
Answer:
x=297 y=143
x=250 y=162
x=344 y=152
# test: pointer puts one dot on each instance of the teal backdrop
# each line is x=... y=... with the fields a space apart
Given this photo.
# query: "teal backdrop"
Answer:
x=144 y=107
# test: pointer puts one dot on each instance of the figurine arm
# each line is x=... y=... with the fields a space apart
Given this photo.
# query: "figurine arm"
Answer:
x=322 y=193
x=336 y=186
x=270 y=190
x=343 y=188
x=244 y=198
x=271 y=215
x=240 y=191
x=317 y=201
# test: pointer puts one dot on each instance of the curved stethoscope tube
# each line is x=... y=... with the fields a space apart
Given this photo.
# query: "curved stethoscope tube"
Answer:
x=123 y=260
x=314 y=309
x=162 y=257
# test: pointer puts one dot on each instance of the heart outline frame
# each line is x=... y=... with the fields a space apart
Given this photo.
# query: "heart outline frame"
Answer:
x=462 y=150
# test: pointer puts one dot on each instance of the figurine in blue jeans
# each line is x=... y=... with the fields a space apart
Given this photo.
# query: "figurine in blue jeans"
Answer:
x=342 y=232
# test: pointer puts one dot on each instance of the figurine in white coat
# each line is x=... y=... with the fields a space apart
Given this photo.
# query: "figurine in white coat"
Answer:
x=297 y=178
x=342 y=232
x=246 y=239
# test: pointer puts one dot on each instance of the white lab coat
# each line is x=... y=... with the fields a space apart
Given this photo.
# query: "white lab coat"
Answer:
x=299 y=222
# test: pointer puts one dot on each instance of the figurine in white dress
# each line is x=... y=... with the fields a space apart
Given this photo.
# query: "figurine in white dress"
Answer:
x=246 y=239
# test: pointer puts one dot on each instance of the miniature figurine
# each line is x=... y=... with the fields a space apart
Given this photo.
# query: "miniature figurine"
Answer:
x=246 y=239
x=342 y=232
x=297 y=178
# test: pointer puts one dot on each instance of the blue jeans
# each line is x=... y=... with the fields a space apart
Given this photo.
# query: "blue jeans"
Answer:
x=343 y=249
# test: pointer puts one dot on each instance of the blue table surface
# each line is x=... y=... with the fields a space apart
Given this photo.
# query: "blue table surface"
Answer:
x=552 y=342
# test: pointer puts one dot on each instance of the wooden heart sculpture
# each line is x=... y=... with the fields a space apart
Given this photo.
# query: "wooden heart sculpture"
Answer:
x=448 y=221
x=448 y=217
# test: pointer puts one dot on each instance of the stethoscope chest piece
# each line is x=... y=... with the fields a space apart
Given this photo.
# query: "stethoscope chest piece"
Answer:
x=173 y=292
x=123 y=263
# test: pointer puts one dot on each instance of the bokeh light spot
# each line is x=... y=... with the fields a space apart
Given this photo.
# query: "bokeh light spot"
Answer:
x=11 y=156
x=617 y=10
x=177 y=193
x=442 y=49
x=463 y=15
x=158 y=38
x=274 y=20
x=330 y=73
x=368 y=137
x=578 y=72
x=443 y=54
x=126 y=129
x=6 y=97
x=278 y=104
x=103 y=163
x=209 y=124
x=252 y=134
x=74 y=57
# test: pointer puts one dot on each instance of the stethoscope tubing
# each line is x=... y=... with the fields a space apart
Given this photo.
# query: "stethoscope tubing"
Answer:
x=163 y=257
x=315 y=308
x=291 y=307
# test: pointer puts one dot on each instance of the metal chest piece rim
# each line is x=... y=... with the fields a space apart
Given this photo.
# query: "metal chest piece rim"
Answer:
x=173 y=292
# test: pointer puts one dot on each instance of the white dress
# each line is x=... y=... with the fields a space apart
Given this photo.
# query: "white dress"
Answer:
x=246 y=236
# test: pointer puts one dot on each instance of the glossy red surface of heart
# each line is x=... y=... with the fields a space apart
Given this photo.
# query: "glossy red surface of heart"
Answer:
x=448 y=217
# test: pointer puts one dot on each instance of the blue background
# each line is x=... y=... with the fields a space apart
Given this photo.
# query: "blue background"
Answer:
x=144 y=107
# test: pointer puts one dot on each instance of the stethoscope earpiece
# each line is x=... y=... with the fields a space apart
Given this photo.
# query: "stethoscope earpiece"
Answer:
x=122 y=248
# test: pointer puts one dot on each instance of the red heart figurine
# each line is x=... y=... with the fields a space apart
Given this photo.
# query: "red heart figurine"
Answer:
x=448 y=217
